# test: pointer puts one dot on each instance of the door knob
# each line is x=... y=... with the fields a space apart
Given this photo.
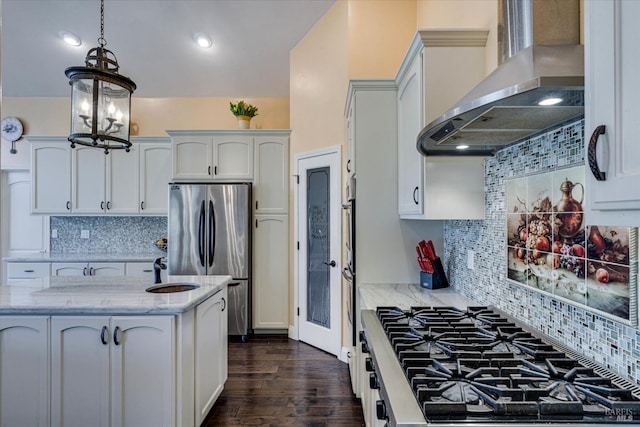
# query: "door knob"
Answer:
x=331 y=264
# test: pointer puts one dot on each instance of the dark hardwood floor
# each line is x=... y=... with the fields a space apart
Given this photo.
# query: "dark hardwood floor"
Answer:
x=275 y=381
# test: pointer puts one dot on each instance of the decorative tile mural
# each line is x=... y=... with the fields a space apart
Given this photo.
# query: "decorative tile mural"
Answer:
x=551 y=249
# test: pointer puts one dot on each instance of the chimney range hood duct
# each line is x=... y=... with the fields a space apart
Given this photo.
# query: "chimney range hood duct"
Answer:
x=545 y=60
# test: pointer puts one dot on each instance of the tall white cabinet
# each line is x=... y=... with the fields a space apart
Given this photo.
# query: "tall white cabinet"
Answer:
x=260 y=157
x=439 y=68
x=611 y=129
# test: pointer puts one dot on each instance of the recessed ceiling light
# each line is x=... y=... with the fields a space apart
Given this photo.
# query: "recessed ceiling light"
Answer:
x=462 y=147
x=550 y=101
x=202 y=40
x=70 y=38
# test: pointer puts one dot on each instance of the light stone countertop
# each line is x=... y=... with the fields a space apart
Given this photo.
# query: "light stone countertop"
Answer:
x=405 y=295
x=103 y=295
x=85 y=257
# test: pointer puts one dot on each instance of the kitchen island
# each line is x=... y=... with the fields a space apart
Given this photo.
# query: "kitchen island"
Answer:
x=103 y=351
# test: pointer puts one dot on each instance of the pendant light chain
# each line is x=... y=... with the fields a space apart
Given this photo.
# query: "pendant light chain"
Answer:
x=101 y=41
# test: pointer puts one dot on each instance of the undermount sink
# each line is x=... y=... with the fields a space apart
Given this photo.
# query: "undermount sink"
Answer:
x=169 y=288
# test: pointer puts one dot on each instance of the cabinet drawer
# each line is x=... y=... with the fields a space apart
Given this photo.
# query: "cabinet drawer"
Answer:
x=27 y=270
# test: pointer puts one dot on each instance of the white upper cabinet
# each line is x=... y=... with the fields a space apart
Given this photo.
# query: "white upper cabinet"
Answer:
x=104 y=183
x=430 y=80
x=213 y=155
x=271 y=184
x=86 y=181
x=410 y=162
x=192 y=157
x=233 y=157
x=155 y=174
x=50 y=178
x=612 y=67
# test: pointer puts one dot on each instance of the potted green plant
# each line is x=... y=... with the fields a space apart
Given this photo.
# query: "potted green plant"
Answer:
x=243 y=112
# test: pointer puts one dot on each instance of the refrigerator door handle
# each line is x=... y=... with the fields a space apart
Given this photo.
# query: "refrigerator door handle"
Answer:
x=201 y=234
x=212 y=233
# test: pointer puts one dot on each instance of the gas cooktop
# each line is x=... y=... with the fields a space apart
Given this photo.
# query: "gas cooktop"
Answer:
x=477 y=365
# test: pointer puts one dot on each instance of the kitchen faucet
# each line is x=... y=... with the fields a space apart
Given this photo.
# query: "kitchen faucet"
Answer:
x=158 y=266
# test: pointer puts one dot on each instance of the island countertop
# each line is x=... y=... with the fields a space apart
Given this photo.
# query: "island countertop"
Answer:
x=103 y=295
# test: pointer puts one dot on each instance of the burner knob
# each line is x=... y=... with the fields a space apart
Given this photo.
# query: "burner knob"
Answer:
x=362 y=336
x=368 y=364
x=365 y=347
x=381 y=410
x=373 y=381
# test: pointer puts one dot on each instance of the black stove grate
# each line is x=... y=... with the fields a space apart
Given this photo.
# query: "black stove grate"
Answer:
x=479 y=365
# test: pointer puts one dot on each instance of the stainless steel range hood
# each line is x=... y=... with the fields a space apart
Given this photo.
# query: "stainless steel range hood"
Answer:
x=544 y=61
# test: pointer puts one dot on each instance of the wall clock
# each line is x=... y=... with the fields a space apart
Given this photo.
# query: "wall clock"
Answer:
x=11 y=129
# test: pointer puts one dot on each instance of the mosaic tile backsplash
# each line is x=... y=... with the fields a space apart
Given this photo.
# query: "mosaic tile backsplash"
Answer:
x=108 y=234
x=613 y=344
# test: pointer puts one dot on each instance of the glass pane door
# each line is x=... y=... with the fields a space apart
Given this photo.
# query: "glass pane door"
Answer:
x=318 y=256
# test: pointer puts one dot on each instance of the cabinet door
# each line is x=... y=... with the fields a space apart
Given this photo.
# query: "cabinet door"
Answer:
x=155 y=174
x=106 y=269
x=271 y=272
x=80 y=371
x=192 y=158
x=612 y=67
x=122 y=193
x=50 y=178
x=24 y=371
x=143 y=370
x=88 y=180
x=210 y=353
x=410 y=122
x=233 y=157
x=271 y=184
x=69 y=269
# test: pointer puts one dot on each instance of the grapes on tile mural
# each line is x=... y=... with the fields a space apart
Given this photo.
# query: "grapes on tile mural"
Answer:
x=552 y=249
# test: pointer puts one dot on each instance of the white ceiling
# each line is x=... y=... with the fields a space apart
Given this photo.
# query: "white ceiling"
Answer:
x=152 y=40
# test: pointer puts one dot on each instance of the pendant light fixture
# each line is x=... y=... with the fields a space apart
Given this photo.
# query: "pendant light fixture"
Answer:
x=100 y=99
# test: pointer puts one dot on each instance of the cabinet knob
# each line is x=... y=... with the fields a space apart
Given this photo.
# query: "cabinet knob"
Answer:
x=592 y=155
x=224 y=304
x=108 y=205
x=101 y=206
x=415 y=195
x=104 y=335
x=28 y=271
x=209 y=170
x=91 y=270
x=348 y=165
x=142 y=206
x=84 y=271
x=68 y=206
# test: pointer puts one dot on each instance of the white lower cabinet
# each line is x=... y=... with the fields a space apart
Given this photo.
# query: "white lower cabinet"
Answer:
x=27 y=270
x=212 y=371
x=87 y=269
x=271 y=272
x=80 y=371
x=128 y=361
x=24 y=371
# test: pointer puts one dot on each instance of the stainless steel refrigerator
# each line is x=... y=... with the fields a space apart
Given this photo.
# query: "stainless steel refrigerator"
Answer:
x=209 y=233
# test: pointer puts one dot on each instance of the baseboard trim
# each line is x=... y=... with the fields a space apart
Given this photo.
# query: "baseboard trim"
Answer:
x=293 y=333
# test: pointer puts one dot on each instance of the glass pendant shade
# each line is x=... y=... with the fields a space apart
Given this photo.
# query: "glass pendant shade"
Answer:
x=100 y=102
